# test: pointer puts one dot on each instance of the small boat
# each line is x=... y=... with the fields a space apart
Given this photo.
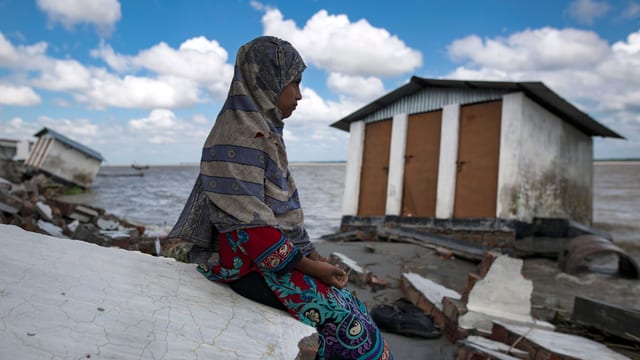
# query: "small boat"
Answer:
x=140 y=167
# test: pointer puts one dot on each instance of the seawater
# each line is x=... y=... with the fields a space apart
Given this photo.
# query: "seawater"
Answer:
x=156 y=199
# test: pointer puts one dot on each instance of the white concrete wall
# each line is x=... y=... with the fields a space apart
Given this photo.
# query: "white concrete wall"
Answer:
x=545 y=165
x=354 y=169
x=23 y=148
x=395 y=180
x=70 y=164
x=447 y=169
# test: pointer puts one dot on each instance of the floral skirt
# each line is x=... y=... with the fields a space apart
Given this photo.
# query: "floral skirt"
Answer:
x=345 y=328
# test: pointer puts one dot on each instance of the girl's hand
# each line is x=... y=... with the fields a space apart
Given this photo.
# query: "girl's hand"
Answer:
x=329 y=274
x=332 y=275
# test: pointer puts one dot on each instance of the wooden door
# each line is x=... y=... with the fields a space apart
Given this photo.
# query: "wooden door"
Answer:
x=422 y=156
x=478 y=160
x=375 y=169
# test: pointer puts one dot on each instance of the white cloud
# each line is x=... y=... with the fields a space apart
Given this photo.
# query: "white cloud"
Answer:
x=334 y=43
x=162 y=126
x=585 y=11
x=62 y=75
x=606 y=84
x=198 y=59
x=18 y=96
x=81 y=130
x=139 y=92
x=18 y=129
x=358 y=87
x=313 y=109
x=532 y=50
x=159 y=76
x=101 y=13
x=20 y=56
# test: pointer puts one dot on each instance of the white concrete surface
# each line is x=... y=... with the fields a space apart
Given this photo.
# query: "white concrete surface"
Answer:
x=395 y=178
x=447 y=168
x=67 y=299
x=503 y=294
x=354 y=169
x=431 y=290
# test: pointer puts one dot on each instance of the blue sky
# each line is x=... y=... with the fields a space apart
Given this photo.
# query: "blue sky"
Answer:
x=142 y=81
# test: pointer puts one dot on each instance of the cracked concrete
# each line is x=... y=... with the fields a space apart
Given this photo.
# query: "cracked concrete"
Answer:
x=67 y=299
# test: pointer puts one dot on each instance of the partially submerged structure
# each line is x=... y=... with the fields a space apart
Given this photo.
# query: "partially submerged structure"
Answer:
x=63 y=158
x=15 y=150
x=453 y=155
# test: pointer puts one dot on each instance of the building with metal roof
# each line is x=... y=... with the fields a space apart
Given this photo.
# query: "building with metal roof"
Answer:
x=456 y=149
x=64 y=158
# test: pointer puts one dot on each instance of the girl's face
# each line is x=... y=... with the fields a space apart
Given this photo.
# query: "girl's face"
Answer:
x=288 y=98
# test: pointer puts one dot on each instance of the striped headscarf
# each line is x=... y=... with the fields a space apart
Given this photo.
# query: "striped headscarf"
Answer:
x=244 y=168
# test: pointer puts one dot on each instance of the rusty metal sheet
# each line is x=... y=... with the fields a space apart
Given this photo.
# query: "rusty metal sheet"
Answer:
x=582 y=247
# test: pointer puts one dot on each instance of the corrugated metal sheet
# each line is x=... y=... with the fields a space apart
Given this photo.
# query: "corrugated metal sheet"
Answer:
x=412 y=98
x=431 y=99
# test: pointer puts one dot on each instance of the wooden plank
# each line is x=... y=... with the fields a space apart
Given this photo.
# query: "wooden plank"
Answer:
x=608 y=318
x=459 y=248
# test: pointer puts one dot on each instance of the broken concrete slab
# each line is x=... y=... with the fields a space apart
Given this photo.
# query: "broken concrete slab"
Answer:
x=44 y=210
x=51 y=229
x=502 y=294
x=474 y=347
x=547 y=344
x=6 y=208
x=355 y=272
x=69 y=299
x=432 y=291
x=107 y=224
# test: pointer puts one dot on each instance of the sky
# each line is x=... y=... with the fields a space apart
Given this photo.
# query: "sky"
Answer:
x=142 y=81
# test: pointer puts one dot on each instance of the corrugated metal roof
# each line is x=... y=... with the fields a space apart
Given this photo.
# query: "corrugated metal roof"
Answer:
x=76 y=145
x=422 y=94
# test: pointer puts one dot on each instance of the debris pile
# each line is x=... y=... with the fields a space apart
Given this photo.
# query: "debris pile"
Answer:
x=492 y=319
x=32 y=205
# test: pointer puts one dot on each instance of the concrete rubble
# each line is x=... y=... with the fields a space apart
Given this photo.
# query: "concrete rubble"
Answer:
x=496 y=299
x=68 y=299
x=33 y=206
x=496 y=302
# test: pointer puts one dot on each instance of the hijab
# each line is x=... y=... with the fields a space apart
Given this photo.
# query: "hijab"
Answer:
x=244 y=175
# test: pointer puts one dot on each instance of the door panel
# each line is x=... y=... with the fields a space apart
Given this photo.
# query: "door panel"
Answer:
x=375 y=169
x=421 y=164
x=478 y=160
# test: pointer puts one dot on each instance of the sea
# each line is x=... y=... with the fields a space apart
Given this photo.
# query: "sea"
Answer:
x=155 y=197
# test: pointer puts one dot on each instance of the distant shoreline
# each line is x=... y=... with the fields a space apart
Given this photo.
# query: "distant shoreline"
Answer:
x=293 y=163
x=617 y=162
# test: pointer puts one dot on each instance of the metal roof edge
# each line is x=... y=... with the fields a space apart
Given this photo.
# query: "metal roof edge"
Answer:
x=536 y=90
x=74 y=144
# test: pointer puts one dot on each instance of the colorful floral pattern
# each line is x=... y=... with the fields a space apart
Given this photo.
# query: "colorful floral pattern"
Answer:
x=345 y=329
